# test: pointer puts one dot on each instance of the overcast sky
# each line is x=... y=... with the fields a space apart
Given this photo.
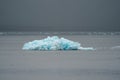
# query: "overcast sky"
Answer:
x=59 y=15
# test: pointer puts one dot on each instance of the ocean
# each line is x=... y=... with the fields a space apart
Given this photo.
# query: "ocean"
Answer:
x=100 y=64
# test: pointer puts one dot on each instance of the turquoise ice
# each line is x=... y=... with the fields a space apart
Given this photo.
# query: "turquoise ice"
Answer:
x=54 y=43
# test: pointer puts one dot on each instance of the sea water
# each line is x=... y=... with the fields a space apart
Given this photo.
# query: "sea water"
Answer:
x=99 y=64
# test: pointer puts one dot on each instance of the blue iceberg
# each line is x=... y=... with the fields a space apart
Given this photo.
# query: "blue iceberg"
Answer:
x=54 y=43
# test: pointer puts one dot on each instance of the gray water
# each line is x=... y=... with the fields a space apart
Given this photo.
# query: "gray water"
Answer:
x=101 y=64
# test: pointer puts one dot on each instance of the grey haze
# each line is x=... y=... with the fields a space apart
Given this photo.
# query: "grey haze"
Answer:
x=59 y=15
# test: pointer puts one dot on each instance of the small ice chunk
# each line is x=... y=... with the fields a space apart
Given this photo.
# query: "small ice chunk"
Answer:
x=87 y=48
x=54 y=43
x=116 y=47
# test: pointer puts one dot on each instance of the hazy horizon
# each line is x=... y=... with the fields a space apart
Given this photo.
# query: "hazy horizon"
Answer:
x=60 y=15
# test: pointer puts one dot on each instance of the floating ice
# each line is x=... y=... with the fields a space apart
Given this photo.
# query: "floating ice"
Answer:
x=54 y=43
x=116 y=47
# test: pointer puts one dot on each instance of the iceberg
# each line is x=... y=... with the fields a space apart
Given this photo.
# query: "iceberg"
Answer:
x=54 y=43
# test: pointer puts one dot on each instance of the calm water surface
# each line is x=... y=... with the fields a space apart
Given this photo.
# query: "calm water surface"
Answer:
x=101 y=64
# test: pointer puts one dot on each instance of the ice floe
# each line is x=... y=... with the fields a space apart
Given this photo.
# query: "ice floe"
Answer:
x=116 y=47
x=54 y=43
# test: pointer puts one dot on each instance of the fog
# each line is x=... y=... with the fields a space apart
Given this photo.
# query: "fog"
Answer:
x=59 y=15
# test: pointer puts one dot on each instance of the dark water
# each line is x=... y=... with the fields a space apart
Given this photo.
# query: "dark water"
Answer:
x=101 y=64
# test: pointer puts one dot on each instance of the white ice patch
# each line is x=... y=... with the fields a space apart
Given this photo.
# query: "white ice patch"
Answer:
x=116 y=47
x=54 y=43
